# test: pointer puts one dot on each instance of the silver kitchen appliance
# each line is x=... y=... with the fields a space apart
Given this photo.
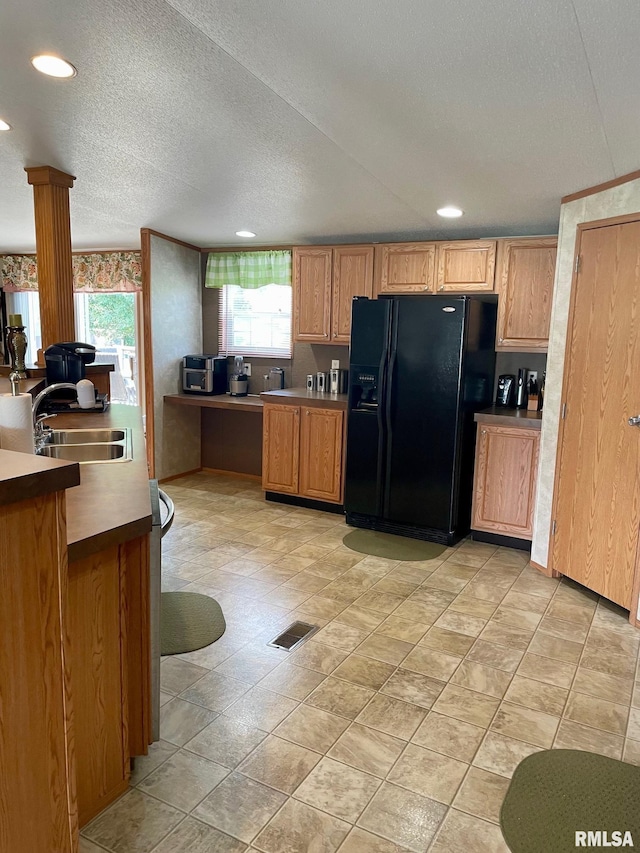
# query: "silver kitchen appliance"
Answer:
x=238 y=381
x=276 y=378
x=338 y=381
x=311 y=382
x=204 y=374
x=322 y=381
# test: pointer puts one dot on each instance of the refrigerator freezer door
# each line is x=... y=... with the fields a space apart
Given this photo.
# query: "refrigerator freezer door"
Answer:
x=423 y=411
x=366 y=435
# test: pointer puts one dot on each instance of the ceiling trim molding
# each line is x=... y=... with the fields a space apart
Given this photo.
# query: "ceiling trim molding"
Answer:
x=150 y=231
x=607 y=185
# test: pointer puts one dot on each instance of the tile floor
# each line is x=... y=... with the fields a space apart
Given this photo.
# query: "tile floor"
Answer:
x=398 y=725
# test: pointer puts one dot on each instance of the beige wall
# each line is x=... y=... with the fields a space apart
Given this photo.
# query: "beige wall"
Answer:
x=176 y=330
x=617 y=201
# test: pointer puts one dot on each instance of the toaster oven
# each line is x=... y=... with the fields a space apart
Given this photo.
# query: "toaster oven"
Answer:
x=204 y=374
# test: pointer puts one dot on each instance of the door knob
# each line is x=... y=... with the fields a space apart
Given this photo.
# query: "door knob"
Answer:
x=634 y=421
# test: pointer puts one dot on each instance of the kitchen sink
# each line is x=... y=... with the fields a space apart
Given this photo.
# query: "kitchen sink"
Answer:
x=88 y=445
x=84 y=436
x=85 y=452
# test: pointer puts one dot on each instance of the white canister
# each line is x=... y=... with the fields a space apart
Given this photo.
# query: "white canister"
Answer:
x=86 y=394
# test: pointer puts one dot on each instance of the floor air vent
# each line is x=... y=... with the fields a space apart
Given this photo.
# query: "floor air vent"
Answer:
x=293 y=636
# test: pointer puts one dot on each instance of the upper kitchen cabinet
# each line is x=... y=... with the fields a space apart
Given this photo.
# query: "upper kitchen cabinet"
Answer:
x=312 y=295
x=325 y=280
x=526 y=270
x=466 y=266
x=405 y=267
x=352 y=276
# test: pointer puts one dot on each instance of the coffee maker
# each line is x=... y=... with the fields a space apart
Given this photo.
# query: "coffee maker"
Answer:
x=65 y=361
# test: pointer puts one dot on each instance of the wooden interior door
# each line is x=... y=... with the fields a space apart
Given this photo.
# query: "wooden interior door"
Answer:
x=352 y=276
x=321 y=454
x=597 y=490
x=312 y=294
x=280 y=448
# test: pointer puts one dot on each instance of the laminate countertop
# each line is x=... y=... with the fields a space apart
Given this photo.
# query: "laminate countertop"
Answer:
x=111 y=505
x=302 y=397
x=510 y=417
x=254 y=403
x=250 y=403
x=24 y=476
x=31 y=386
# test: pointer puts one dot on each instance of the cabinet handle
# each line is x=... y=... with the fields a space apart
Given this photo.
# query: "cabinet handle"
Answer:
x=307 y=412
x=500 y=340
x=441 y=287
x=483 y=432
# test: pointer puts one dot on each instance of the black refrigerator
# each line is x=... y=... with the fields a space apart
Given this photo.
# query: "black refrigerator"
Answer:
x=420 y=366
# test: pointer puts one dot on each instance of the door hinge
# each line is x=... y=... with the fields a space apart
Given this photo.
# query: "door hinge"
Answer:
x=576 y=267
x=563 y=414
x=554 y=527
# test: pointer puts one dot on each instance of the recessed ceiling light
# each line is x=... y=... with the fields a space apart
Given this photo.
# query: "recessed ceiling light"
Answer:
x=54 y=66
x=4 y=125
x=245 y=234
x=449 y=212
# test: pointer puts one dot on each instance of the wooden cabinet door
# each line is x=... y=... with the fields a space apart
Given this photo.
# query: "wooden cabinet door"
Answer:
x=466 y=265
x=312 y=294
x=504 y=485
x=524 y=281
x=321 y=434
x=352 y=276
x=280 y=448
x=405 y=267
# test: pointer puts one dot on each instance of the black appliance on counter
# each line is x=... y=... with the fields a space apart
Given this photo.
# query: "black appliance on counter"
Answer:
x=420 y=366
x=505 y=395
x=204 y=374
x=65 y=362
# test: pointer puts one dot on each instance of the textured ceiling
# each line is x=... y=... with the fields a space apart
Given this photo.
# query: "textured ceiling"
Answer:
x=309 y=121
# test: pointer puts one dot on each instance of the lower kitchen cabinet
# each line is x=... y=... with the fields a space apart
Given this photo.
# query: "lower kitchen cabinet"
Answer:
x=321 y=444
x=302 y=449
x=280 y=448
x=504 y=485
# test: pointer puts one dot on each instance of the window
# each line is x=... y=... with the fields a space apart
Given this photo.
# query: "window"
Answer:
x=27 y=303
x=109 y=322
x=254 y=303
x=255 y=322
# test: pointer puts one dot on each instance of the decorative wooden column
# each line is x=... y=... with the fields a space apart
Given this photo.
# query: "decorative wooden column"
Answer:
x=53 y=247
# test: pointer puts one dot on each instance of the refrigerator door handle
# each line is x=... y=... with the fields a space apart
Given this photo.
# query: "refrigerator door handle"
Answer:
x=388 y=404
x=382 y=431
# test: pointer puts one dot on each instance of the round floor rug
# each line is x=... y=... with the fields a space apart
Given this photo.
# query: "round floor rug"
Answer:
x=188 y=621
x=558 y=793
x=392 y=547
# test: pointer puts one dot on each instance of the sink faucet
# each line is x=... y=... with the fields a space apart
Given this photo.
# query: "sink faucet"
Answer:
x=38 y=428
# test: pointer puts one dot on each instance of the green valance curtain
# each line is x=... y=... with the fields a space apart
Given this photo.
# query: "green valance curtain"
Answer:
x=248 y=269
x=96 y=272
